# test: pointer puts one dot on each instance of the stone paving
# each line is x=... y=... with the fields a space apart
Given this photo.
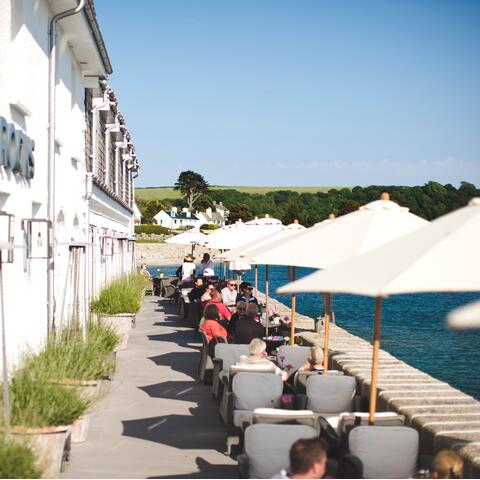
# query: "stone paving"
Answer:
x=157 y=420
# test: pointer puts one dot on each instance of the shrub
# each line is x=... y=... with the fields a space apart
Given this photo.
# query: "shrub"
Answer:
x=152 y=229
x=17 y=461
x=37 y=402
x=121 y=296
x=68 y=356
x=208 y=226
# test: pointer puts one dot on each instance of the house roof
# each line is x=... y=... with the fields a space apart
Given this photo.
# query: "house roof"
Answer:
x=180 y=215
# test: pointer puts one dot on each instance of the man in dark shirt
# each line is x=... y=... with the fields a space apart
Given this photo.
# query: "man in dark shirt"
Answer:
x=249 y=327
x=245 y=294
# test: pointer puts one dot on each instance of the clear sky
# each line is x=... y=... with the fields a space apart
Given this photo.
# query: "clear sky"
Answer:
x=299 y=92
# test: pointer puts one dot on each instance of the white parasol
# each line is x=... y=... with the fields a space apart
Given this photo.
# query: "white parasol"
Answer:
x=465 y=317
x=440 y=257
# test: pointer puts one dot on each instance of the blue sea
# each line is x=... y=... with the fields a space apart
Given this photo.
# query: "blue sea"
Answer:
x=413 y=326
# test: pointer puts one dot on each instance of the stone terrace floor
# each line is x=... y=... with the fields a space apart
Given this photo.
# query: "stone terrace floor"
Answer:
x=156 y=420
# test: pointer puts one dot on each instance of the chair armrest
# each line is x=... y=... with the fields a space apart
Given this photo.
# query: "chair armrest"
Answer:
x=243 y=466
x=217 y=365
x=300 y=401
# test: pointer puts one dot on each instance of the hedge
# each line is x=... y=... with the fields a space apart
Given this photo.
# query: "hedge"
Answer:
x=152 y=229
x=208 y=226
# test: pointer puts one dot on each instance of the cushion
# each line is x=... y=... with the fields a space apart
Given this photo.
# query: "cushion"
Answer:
x=386 y=452
x=254 y=390
x=292 y=355
x=268 y=445
x=361 y=418
x=330 y=393
x=229 y=353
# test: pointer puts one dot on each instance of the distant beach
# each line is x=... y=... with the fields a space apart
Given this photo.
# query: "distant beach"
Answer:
x=169 y=254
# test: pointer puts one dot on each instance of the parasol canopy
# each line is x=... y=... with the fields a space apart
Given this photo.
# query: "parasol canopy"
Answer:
x=188 y=237
x=465 y=317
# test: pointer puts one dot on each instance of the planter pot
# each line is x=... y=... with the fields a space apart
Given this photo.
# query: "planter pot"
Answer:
x=47 y=443
x=88 y=390
x=79 y=429
x=121 y=323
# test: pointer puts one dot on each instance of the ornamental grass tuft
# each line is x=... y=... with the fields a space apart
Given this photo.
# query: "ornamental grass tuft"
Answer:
x=123 y=295
x=17 y=461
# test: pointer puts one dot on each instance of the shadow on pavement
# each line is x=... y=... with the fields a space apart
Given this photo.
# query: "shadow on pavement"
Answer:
x=183 y=362
x=208 y=470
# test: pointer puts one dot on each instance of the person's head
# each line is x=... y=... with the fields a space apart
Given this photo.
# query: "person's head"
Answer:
x=315 y=356
x=447 y=464
x=241 y=309
x=252 y=310
x=308 y=458
x=231 y=285
x=211 y=312
x=257 y=348
x=206 y=257
x=246 y=288
x=188 y=258
x=216 y=295
x=199 y=282
x=143 y=266
x=210 y=288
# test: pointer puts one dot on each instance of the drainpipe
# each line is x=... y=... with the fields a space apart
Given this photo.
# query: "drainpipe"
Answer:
x=51 y=153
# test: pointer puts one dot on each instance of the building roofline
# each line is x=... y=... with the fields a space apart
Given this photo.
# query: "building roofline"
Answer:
x=97 y=35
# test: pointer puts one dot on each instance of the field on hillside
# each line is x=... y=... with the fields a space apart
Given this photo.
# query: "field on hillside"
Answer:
x=160 y=193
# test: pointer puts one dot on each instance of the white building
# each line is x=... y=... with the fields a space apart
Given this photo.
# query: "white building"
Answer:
x=66 y=193
x=174 y=219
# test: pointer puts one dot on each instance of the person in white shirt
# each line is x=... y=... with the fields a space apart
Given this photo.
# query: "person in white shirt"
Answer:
x=188 y=269
x=206 y=266
x=229 y=293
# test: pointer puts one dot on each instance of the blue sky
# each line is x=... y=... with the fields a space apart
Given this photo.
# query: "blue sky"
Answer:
x=299 y=92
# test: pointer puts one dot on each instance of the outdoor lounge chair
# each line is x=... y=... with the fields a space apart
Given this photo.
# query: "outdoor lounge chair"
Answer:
x=225 y=356
x=267 y=448
x=385 y=452
x=249 y=390
x=292 y=355
x=329 y=396
x=205 y=366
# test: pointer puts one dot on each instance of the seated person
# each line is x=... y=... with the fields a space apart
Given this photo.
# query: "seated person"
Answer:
x=206 y=297
x=245 y=294
x=314 y=360
x=211 y=326
x=197 y=291
x=258 y=358
x=446 y=464
x=240 y=312
x=229 y=293
x=216 y=299
x=248 y=327
x=308 y=459
x=144 y=271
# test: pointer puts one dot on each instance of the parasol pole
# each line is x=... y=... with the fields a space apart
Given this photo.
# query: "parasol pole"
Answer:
x=266 y=301
x=256 y=279
x=326 y=331
x=376 y=348
x=294 y=304
x=6 y=397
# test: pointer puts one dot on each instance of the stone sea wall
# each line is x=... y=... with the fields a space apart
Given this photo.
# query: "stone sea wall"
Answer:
x=445 y=417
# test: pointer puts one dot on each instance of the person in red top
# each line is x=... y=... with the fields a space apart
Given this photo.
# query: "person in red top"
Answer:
x=211 y=326
x=216 y=300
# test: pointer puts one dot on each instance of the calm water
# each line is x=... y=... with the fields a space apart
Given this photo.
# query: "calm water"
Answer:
x=413 y=326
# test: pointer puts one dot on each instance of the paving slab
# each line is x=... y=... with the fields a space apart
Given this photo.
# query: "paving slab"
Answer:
x=157 y=420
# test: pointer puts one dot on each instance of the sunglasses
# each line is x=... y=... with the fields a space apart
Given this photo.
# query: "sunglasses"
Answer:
x=232 y=285
x=249 y=288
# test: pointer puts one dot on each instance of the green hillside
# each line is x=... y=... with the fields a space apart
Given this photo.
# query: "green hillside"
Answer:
x=160 y=193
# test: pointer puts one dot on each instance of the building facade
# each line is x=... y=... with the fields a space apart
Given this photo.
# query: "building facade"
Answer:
x=67 y=169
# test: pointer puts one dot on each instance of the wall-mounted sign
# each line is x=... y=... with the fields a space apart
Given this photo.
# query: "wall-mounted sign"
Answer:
x=16 y=150
x=6 y=235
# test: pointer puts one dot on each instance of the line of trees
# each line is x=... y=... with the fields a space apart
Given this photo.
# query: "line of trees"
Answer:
x=428 y=201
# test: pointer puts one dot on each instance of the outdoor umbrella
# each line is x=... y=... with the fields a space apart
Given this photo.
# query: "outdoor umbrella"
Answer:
x=333 y=241
x=465 y=317
x=189 y=237
x=439 y=257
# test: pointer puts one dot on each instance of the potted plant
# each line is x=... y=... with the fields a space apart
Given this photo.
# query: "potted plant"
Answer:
x=17 y=461
x=118 y=304
x=40 y=413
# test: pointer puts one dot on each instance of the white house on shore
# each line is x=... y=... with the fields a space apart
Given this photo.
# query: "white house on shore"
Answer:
x=67 y=167
x=184 y=218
